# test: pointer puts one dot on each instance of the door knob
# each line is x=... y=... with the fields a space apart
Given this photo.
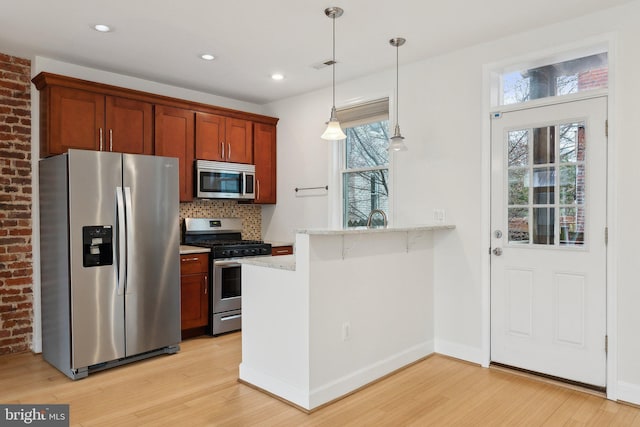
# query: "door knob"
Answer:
x=497 y=251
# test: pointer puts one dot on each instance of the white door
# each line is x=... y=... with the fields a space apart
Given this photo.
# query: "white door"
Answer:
x=548 y=219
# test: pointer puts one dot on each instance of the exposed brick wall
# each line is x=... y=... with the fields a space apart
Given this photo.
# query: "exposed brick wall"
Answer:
x=16 y=266
x=593 y=79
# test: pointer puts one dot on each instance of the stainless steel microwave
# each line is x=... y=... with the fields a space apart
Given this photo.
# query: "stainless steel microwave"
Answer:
x=221 y=180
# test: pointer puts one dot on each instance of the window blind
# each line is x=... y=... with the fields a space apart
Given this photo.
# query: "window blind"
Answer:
x=369 y=112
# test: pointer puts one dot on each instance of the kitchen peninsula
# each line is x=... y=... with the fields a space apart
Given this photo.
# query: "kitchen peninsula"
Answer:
x=350 y=307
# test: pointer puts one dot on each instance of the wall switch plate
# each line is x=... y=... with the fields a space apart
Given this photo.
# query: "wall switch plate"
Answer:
x=438 y=215
x=346 y=331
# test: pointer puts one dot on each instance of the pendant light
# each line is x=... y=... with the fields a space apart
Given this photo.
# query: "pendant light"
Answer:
x=396 y=143
x=334 y=131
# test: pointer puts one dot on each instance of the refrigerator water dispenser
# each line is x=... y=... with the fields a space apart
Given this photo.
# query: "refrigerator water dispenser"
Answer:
x=97 y=246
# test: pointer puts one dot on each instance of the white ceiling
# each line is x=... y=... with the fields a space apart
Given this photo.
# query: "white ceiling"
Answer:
x=161 y=40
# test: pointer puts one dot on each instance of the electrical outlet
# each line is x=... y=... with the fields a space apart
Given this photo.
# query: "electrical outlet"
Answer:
x=438 y=215
x=346 y=331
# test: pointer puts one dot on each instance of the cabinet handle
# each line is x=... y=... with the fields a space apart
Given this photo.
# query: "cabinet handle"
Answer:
x=258 y=192
x=110 y=139
x=100 y=139
x=189 y=259
x=206 y=283
x=229 y=154
x=282 y=251
x=222 y=145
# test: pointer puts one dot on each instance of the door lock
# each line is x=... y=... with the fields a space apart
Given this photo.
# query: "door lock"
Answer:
x=497 y=251
x=498 y=234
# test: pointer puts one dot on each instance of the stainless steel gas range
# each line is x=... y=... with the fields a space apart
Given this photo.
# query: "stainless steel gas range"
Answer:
x=224 y=237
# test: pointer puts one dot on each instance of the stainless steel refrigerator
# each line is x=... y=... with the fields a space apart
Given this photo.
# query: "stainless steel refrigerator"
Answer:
x=110 y=263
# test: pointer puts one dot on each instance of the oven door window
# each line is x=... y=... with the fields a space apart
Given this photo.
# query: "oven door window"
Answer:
x=230 y=282
x=221 y=182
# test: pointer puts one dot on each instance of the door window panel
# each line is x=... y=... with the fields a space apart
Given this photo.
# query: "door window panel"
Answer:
x=544 y=145
x=518 y=225
x=546 y=198
x=518 y=148
x=518 y=186
x=543 y=226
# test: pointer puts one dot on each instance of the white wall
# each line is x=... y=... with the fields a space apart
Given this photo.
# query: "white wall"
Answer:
x=41 y=63
x=442 y=118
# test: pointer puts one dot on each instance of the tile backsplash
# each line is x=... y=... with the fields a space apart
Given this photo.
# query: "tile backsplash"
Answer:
x=207 y=208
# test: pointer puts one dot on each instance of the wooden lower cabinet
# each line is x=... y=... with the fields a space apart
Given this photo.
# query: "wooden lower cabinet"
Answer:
x=281 y=250
x=194 y=294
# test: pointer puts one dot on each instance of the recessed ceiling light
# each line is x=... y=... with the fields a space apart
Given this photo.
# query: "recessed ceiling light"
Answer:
x=277 y=76
x=207 y=57
x=102 y=28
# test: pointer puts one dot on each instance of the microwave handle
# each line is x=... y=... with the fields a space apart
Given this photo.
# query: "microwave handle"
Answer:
x=244 y=183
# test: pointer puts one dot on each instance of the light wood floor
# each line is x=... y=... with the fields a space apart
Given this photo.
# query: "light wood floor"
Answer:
x=198 y=387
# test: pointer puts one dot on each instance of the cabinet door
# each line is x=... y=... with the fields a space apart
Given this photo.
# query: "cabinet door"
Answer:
x=264 y=150
x=174 y=137
x=76 y=120
x=194 y=301
x=239 y=141
x=129 y=126
x=210 y=136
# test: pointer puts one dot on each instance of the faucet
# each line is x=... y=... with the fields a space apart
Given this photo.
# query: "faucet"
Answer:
x=375 y=211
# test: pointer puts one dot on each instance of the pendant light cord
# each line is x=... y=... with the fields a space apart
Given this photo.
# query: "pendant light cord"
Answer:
x=397 y=86
x=333 y=66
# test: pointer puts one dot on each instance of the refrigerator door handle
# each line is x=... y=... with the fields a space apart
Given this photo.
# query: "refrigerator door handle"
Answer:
x=122 y=242
x=130 y=231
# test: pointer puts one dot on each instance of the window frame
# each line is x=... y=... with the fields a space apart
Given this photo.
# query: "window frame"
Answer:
x=337 y=156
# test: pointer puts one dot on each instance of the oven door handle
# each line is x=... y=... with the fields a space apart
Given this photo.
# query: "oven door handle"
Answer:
x=226 y=264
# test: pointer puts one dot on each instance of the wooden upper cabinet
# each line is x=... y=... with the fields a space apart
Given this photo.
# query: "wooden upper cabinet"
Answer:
x=209 y=136
x=264 y=155
x=174 y=137
x=128 y=126
x=223 y=139
x=87 y=120
x=75 y=119
x=76 y=113
x=239 y=139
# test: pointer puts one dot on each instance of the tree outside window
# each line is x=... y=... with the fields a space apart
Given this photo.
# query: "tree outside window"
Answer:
x=366 y=173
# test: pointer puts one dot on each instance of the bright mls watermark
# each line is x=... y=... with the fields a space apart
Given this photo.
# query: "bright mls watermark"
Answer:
x=37 y=415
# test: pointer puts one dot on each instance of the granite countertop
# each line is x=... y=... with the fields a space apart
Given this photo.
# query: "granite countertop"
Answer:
x=186 y=249
x=365 y=230
x=283 y=262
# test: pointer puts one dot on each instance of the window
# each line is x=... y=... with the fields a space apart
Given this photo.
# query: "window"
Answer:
x=365 y=173
x=562 y=78
x=536 y=195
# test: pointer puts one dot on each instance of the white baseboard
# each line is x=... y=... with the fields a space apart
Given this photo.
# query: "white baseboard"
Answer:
x=628 y=392
x=310 y=399
x=361 y=377
x=459 y=351
x=296 y=395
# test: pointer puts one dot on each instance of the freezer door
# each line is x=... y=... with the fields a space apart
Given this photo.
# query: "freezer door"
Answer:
x=97 y=312
x=152 y=296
